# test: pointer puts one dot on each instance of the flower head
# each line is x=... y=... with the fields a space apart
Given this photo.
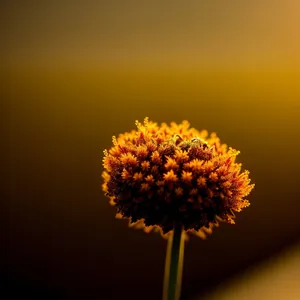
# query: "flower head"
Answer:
x=158 y=176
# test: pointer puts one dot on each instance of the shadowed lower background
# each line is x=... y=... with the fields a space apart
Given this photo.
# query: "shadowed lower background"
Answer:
x=78 y=72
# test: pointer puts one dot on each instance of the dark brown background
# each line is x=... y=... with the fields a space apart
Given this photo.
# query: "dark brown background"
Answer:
x=76 y=73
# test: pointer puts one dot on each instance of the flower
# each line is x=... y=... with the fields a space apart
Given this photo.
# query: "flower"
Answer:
x=158 y=176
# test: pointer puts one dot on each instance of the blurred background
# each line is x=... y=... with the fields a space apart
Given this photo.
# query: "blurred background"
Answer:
x=74 y=73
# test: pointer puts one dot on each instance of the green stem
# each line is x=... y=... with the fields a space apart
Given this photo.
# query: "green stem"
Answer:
x=174 y=265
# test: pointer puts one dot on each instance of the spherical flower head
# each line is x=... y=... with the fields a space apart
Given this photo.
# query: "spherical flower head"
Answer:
x=158 y=176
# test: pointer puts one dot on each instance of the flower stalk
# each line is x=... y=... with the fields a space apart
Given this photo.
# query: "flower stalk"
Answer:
x=174 y=264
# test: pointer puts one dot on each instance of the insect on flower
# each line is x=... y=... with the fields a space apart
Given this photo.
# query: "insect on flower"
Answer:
x=161 y=175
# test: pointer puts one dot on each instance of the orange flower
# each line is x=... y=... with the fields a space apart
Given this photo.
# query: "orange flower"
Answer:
x=170 y=177
x=158 y=176
x=186 y=176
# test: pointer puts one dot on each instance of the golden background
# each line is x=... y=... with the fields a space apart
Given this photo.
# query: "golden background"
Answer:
x=78 y=72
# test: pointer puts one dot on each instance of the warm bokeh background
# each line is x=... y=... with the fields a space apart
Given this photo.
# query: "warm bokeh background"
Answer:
x=78 y=72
